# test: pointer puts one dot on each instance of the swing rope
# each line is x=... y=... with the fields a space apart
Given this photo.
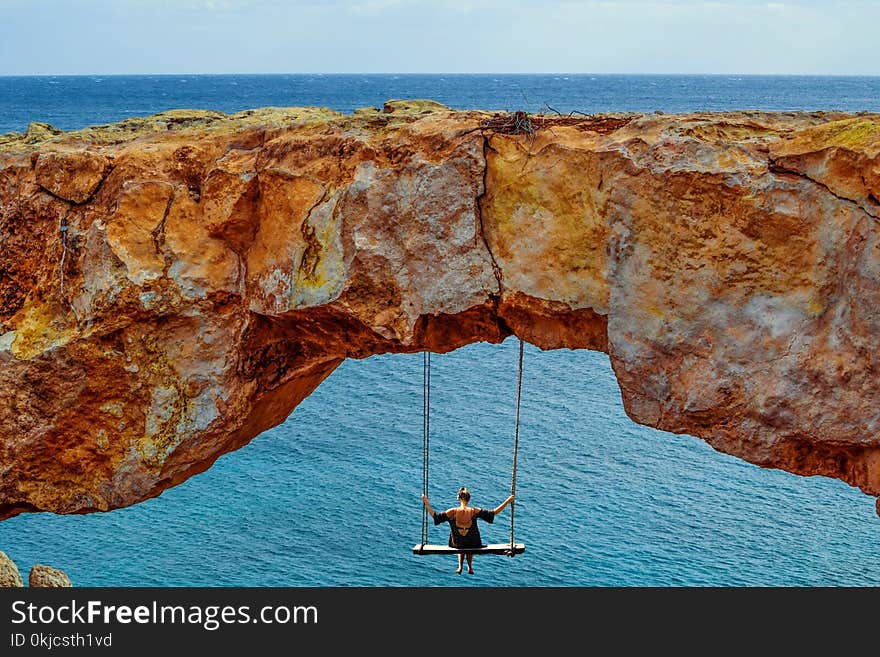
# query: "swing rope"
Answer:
x=516 y=440
x=426 y=435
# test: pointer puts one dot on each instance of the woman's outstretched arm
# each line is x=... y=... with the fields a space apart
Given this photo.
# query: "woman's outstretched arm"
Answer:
x=501 y=506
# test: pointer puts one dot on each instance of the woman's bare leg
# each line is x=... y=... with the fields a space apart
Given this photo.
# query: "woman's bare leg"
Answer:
x=460 y=563
x=470 y=558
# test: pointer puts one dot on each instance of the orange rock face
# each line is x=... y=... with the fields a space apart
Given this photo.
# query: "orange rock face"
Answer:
x=172 y=286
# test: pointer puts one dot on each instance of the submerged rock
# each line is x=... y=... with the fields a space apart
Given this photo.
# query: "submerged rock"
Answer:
x=171 y=286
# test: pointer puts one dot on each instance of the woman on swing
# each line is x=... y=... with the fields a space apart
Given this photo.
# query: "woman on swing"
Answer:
x=463 y=531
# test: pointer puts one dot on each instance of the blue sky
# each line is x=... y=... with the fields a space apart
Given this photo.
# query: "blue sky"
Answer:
x=450 y=36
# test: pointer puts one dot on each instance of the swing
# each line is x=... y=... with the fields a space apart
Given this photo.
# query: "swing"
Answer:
x=509 y=549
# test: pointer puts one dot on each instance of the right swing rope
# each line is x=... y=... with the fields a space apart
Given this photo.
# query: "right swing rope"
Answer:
x=426 y=435
x=516 y=442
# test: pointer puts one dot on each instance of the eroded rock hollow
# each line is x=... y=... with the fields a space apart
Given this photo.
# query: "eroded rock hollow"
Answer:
x=172 y=286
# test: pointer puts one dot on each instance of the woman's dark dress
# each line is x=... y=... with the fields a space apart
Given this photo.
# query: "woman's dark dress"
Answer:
x=468 y=541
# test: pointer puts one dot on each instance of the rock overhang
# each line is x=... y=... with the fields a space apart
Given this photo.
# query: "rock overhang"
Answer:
x=172 y=286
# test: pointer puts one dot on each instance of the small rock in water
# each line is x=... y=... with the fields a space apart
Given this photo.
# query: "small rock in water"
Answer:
x=9 y=575
x=48 y=577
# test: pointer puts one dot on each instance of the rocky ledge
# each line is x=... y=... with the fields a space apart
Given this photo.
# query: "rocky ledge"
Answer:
x=172 y=286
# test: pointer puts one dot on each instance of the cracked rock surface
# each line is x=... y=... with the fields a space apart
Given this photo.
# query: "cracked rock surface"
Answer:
x=172 y=286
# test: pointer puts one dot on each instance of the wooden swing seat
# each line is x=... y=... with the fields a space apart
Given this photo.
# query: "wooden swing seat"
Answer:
x=420 y=549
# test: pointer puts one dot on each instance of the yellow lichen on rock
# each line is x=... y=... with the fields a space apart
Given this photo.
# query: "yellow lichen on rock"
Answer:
x=40 y=328
x=857 y=133
x=543 y=217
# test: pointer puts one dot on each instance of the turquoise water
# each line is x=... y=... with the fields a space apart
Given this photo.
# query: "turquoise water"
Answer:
x=331 y=497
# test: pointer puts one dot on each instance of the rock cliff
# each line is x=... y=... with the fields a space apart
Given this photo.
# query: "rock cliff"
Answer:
x=172 y=286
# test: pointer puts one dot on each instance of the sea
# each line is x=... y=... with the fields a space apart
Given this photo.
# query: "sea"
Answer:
x=331 y=497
